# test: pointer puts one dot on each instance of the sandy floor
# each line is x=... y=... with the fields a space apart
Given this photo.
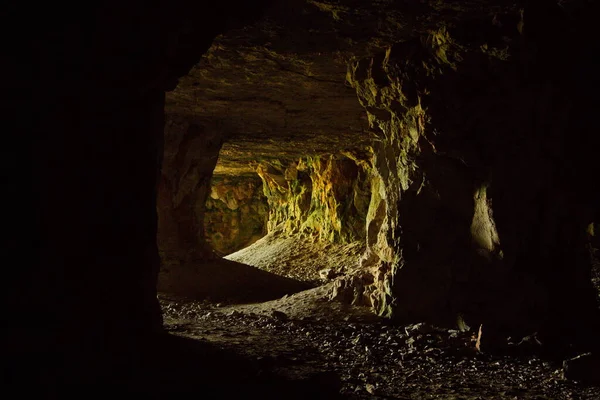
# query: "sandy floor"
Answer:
x=300 y=258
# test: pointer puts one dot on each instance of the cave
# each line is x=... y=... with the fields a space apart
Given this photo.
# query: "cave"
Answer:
x=326 y=199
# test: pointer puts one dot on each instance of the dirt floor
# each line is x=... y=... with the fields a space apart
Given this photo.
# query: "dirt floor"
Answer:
x=337 y=348
x=347 y=349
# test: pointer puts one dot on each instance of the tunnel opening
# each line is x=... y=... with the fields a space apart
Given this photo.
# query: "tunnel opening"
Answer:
x=265 y=205
x=384 y=174
x=455 y=143
x=299 y=218
x=388 y=182
x=317 y=207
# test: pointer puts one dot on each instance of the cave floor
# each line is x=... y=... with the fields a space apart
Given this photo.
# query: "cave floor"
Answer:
x=345 y=349
x=300 y=257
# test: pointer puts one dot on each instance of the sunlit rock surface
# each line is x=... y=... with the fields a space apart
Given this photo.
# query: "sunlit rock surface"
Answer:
x=324 y=197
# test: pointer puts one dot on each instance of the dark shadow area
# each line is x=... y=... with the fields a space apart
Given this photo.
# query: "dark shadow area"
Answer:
x=108 y=150
x=160 y=367
x=229 y=281
x=374 y=358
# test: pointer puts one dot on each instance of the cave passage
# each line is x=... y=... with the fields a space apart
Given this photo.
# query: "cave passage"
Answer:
x=417 y=184
x=293 y=215
x=387 y=172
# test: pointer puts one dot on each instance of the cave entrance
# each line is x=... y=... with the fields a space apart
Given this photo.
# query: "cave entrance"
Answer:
x=291 y=113
x=286 y=216
x=311 y=210
x=266 y=163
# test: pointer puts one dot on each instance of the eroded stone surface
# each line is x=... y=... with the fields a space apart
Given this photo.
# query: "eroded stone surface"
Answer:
x=465 y=206
x=324 y=197
x=453 y=173
x=236 y=213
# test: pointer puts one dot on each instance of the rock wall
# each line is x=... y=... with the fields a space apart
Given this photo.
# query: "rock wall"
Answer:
x=324 y=197
x=477 y=204
x=478 y=186
x=236 y=213
x=191 y=152
x=481 y=186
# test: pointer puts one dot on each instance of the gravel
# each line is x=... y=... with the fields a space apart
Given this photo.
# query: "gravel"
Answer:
x=371 y=360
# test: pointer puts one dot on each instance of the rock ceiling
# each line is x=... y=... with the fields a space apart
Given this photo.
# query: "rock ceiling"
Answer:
x=277 y=89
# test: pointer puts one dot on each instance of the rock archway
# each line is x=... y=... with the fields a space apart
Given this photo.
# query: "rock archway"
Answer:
x=401 y=145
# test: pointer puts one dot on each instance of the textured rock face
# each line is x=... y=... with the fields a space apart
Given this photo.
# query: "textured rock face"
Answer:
x=88 y=89
x=467 y=216
x=468 y=178
x=190 y=156
x=322 y=197
x=236 y=213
